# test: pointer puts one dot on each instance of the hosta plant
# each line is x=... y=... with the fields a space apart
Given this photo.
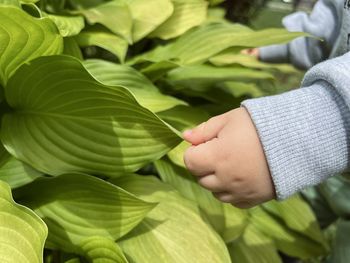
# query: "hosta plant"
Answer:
x=94 y=97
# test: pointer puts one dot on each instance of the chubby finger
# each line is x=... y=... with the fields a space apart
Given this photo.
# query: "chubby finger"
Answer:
x=211 y=183
x=206 y=131
x=224 y=197
x=200 y=160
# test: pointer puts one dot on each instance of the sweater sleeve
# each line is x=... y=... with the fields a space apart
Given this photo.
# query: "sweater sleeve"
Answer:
x=305 y=133
x=323 y=22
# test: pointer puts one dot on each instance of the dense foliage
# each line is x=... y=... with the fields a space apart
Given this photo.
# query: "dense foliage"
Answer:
x=95 y=96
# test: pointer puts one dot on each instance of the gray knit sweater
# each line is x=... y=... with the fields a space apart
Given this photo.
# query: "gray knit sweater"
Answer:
x=305 y=133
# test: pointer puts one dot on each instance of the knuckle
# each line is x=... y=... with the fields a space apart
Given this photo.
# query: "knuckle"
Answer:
x=189 y=160
x=202 y=181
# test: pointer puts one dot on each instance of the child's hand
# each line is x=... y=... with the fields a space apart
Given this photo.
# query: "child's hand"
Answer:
x=227 y=157
x=252 y=52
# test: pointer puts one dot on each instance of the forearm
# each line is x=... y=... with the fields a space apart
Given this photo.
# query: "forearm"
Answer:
x=305 y=133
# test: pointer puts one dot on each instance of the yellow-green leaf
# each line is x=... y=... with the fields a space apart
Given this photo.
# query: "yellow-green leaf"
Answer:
x=63 y=120
x=187 y=14
x=22 y=232
x=24 y=38
x=78 y=206
x=173 y=232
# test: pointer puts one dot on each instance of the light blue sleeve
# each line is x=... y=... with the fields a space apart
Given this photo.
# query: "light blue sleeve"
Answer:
x=305 y=133
x=324 y=22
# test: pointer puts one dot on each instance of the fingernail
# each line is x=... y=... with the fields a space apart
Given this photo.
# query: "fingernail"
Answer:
x=187 y=133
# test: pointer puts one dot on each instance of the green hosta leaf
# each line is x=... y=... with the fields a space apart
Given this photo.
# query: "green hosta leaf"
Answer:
x=33 y=10
x=68 y=25
x=216 y=15
x=202 y=77
x=254 y=247
x=193 y=47
x=287 y=240
x=4 y=155
x=71 y=48
x=336 y=191
x=187 y=14
x=173 y=232
x=106 y=40
x=239 y=89
x=340 y=251
x=17 y=173
x=226 y=219
x=156 y=70
x=15 y=3
x=176 y=155
x=145 y=92
x=186 y=184
x=77 y=206
x=84 y=4
x=22 y=233
x=63 y=120
x=297 y=215
x=29 y=1
x=215 y=2
x=184 y=117
x=148 y=15
x=102 y=250
x=24 y=38
x=114 y=15
x=249 y=62
x=73 y=260
x=236 y=221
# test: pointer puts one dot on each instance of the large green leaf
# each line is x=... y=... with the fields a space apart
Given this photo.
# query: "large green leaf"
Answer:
x=71 y=48
x=287 y=240
x=68 y=25
x=187 y=14
x=102 y=250
x=227 y=220
x=148 y=15
x=340 y=251
x=63 y=120
x=336 y=191
x=238 y=89
x=155 y=71
x=202 y=77
x=84 y=4
x=297 y=215
x=193 y=47
x=15 y=3
x=77 y=206
x=182 y=118
x=104 y=39
x=17 y=173
x=114 y=15
x=173 y=232
x=215 y=2
x=24 y=38
x=236 y=221
x=254 y=247
x=145 y=92
x=22 y=233
x=186 y=184
x=248 y=61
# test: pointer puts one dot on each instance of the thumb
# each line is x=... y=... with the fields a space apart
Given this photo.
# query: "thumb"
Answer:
x=206 y=131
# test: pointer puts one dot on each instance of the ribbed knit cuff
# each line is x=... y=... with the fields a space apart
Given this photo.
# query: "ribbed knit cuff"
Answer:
x=274 y=53
x=304 y=134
